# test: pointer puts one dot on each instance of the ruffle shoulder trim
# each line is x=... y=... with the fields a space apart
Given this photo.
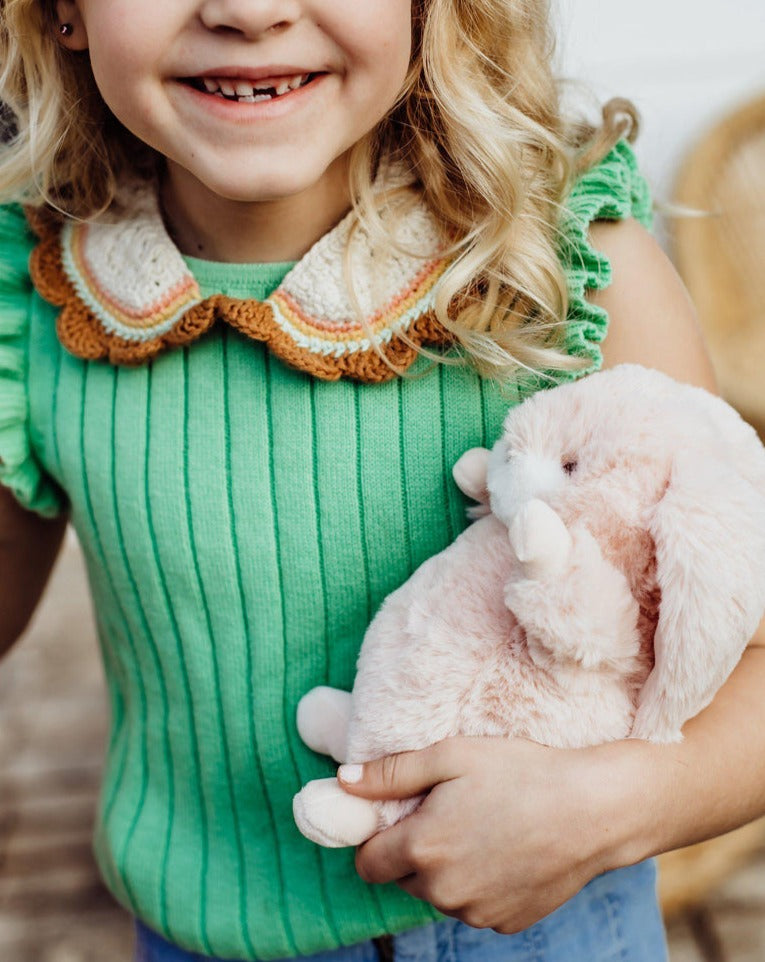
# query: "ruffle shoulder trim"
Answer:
x=19 y=470
x=614 y=189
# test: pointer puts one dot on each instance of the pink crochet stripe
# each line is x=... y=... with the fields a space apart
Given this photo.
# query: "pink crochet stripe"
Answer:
x=344 y=330
x=154 y=314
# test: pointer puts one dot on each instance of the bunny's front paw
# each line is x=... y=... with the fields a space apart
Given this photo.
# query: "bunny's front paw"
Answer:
x=585 y=615
x=540 y=540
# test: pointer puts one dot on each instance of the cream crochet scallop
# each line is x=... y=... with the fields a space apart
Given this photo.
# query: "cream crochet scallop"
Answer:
x=127 y=294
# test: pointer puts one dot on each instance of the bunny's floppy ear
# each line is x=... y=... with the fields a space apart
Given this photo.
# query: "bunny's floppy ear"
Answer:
x=709 y=533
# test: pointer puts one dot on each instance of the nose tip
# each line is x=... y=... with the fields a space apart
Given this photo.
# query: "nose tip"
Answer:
x=535 y=475
x=247 y=19
x=523 y=478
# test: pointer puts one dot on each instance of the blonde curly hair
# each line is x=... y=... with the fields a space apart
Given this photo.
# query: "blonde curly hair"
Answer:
x=477 y=66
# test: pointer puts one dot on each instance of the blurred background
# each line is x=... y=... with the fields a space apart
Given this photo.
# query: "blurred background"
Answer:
x=690 y=66
x=684 y=63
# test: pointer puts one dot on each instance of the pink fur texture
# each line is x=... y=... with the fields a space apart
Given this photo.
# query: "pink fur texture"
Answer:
x=610 y=591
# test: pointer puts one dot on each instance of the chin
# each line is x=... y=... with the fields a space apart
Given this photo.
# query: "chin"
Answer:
x=262 y=186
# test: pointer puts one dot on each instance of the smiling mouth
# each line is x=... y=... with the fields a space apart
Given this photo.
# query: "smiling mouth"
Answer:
x=250 y=91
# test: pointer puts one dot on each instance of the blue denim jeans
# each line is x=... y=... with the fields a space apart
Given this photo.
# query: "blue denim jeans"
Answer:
x=615 y=918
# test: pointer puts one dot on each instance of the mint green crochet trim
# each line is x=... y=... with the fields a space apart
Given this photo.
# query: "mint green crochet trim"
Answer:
x=614 y=189
x=19 y=470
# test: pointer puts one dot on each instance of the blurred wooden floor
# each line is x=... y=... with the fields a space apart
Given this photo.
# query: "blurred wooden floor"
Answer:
x=53 y=907
x=52 y=728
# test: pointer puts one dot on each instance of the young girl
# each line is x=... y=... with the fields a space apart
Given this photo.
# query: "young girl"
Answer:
x=256 y=225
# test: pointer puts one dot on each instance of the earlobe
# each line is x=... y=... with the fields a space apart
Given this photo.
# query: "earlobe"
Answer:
x=69 y=26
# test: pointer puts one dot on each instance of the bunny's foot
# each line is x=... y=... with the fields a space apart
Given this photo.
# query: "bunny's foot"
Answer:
x=323 y=716
x=329 y=816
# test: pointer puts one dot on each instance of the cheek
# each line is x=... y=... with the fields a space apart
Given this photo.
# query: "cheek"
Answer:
x=126 y=84
x=387 y=74
x=394 y=42
x=376 y=37
x=122 y=57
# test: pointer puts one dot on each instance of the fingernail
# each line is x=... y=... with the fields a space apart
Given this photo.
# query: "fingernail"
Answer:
x=350 y=773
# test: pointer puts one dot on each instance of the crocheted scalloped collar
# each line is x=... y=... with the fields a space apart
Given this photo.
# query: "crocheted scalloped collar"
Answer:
x=126 y=294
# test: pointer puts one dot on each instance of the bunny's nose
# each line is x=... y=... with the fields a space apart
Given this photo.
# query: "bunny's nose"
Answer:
x=521 y=478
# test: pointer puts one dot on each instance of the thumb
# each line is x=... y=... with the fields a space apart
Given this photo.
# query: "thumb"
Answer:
x=405 y=774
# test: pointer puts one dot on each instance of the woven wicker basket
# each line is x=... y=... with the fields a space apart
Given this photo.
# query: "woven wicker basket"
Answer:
x=721 y=252
x=719 y=249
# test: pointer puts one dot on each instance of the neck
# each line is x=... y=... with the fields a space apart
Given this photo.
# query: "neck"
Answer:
x=206 y=225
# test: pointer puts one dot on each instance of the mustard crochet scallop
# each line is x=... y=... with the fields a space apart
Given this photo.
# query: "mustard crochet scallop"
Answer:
x=126 y=294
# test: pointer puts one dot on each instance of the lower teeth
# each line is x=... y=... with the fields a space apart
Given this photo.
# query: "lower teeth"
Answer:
x=257 y=98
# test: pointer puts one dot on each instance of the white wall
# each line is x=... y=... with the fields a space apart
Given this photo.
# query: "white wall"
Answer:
x=682 y=62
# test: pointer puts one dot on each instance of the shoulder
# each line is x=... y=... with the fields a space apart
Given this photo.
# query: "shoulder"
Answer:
x=652 y=320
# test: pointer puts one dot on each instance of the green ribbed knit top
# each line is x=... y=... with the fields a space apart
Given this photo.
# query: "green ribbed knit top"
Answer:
x=241 y=522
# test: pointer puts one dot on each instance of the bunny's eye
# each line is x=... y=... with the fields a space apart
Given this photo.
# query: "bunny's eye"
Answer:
x=570 y=465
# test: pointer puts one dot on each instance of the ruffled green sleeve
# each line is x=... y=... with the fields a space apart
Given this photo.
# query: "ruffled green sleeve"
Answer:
x=614 y=189
x=19 y=470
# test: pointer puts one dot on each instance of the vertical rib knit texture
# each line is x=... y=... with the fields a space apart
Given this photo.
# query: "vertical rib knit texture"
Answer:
x=241 y=523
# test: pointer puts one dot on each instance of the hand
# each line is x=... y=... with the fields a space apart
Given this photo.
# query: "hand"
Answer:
x=510 y=830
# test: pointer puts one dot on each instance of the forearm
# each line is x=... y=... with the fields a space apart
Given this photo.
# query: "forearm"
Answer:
x=510 y=829
x=712 y=782
x=28 y=548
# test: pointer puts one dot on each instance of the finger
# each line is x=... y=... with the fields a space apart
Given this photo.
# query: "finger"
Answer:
x=417 y=886
x=406 y=774
x=414 y=885
x=387 y=856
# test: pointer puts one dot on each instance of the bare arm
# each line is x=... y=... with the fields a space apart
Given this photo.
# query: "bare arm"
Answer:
x=28 y=547
x=562 y=816
x=652 y=320
x=715 y=779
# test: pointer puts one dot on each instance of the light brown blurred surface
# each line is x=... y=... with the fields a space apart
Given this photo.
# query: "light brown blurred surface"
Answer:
x=52 y=728
x=53 y=907
x=721 y=252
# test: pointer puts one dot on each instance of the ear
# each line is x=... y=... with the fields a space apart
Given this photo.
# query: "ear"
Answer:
x=470 y=472
x=709 y=533
x=67 y=12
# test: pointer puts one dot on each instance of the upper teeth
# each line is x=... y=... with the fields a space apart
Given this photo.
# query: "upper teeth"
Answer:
x=247 y=88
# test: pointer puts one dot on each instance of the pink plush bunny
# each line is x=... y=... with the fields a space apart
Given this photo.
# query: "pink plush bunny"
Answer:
x=609 y=592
